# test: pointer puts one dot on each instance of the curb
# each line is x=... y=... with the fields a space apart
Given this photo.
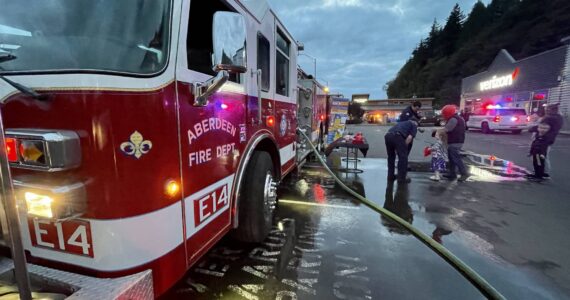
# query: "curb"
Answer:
x=566 y=133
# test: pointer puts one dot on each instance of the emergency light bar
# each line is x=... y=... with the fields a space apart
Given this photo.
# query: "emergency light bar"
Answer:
x=43 y=150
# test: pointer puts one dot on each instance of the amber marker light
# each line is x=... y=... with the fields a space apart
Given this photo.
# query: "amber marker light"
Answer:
x=270 y=121
x=172 y=188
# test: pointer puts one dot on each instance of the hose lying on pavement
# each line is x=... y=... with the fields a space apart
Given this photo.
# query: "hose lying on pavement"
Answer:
x=476 y=280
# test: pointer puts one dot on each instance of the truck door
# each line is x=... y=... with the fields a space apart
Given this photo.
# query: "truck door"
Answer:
x=212 y=133
x=285 y=97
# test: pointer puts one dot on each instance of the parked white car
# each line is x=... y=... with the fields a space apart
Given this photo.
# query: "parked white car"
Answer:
x=514 y=120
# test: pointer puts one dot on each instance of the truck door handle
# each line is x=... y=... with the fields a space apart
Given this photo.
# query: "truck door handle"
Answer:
x=257 y=74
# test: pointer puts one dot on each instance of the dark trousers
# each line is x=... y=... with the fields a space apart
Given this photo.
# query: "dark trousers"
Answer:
x=538 y=163
x=410 y=145
x=396 y=145
x=455 y=160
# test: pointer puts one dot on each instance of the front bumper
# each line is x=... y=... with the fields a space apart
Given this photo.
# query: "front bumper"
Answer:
x=137 y=286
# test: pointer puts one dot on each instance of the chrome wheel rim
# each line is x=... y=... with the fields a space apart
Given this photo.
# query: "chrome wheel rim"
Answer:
x=270 y=192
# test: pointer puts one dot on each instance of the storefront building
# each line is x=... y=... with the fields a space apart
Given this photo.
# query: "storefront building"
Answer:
x=388 y=110
x=527 y=83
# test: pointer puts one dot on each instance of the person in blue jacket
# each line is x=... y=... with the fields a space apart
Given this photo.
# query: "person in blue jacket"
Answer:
x=408 y=113
x=397 y=140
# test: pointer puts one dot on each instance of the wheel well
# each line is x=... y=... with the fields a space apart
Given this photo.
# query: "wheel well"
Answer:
x=269 y=146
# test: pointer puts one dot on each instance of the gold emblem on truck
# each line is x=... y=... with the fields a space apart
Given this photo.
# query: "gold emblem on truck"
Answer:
x=137 y=146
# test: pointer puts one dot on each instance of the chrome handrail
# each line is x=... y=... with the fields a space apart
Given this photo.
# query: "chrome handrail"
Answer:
x=11 y=220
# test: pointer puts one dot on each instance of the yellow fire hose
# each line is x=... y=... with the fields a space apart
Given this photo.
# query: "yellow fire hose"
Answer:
x=476 y=280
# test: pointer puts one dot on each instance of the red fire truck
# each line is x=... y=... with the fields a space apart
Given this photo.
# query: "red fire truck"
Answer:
x=140 y=132
x=312 y=113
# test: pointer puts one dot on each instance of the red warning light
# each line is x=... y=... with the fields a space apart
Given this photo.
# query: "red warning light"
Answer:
x=492 y=158
x=11 y=150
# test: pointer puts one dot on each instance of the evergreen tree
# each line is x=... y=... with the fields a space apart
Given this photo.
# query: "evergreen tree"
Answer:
x=451 y=32
x=498 y=8
x=433 y=37
x=478 y=19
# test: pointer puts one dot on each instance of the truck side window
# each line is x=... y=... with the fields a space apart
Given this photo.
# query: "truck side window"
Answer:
x=199 y=43
x=263 y=60
x=282 y=72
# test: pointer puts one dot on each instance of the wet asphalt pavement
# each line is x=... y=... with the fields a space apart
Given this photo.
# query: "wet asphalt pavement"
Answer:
x=329 y=247
x=324 y=245
x=526 y=223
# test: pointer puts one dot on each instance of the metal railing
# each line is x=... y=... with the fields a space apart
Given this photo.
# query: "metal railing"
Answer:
x=10 y=221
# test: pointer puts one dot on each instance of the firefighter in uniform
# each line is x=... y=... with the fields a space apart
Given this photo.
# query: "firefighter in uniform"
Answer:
x=408 y=113
x=398 y=138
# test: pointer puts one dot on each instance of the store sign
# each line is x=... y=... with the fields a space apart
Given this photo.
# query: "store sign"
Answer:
x=499 y=82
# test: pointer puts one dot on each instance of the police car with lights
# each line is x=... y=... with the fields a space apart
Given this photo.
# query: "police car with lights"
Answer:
x=496 y=118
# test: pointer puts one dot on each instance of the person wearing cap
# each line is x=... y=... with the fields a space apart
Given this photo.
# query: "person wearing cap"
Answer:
x=409 y=113
x=455 y=128
x=397 y=140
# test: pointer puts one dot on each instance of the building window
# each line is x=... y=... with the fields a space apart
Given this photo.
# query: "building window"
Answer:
x=263 y=60
x=282 y=64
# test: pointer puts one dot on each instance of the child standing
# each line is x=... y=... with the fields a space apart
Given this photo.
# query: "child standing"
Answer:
x=438 y=154
x=538 y=150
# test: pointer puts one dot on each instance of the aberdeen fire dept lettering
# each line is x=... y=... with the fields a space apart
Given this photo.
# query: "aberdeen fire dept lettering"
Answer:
x=203 y=156
x=208 y=125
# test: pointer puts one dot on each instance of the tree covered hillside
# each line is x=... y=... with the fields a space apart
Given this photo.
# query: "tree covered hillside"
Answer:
x=467 y=45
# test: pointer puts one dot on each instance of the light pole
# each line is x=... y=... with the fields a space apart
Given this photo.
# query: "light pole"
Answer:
x=314 y=62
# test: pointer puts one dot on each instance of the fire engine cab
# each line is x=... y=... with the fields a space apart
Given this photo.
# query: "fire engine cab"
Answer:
x=139 y=132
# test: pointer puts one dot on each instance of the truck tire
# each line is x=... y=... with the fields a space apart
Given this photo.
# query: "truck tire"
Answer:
x=485 y=128
x=257 y=199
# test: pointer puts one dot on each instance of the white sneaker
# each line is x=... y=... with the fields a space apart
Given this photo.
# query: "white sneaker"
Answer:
x=434 y=178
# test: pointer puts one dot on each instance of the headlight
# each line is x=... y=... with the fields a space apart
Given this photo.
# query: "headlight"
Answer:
x=52 y=202
x=39 y=205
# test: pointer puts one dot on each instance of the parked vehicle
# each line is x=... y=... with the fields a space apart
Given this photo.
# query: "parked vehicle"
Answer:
x=429 y=118
x=494 y=118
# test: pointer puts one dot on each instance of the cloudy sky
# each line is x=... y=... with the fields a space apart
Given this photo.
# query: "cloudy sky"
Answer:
x=361 y=44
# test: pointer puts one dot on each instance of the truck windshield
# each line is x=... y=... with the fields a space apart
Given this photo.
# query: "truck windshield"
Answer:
x=126 y=36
